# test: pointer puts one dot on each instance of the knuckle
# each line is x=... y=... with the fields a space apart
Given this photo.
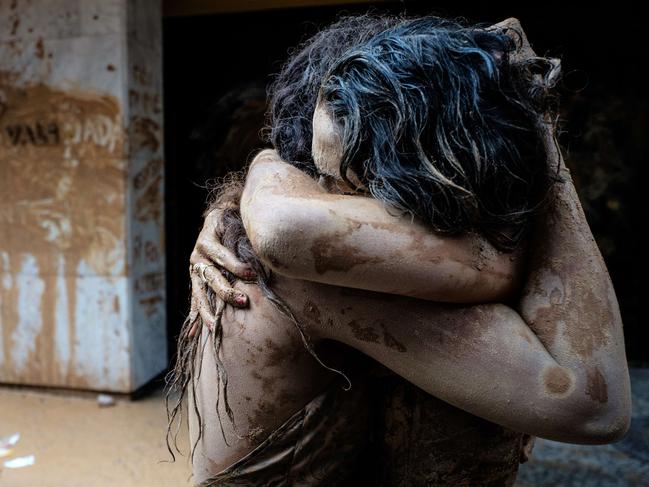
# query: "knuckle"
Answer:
x=228 y=294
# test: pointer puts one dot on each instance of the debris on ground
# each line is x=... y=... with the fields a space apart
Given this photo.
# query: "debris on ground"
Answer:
x=105 y=400
x=20 y=462
x=7 y=444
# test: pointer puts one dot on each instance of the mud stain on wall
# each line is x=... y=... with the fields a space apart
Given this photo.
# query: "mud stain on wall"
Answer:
x=62 y=181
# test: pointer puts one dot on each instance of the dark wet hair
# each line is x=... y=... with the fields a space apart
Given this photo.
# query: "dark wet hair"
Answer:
x=293 y=93
x=435 y=119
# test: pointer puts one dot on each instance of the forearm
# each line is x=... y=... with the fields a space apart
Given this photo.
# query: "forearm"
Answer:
x=569 y=302
x=568 y=299
x=301 y=231
x=483 y=359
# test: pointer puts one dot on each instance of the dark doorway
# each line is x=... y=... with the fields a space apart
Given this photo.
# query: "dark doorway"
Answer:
x=216 y=68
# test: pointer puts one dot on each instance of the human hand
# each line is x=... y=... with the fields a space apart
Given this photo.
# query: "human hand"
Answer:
x=207 y=262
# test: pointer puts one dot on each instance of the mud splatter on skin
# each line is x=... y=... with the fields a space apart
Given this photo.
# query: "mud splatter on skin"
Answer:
x=525 y=335
x=390 y=341
x=577 y=304
x=364 y=294
x=580 y=297
x=330 y=254
x=364 y=333
x=62 y=183
x=312 y=313
x=557 y=380
x=596 y=387
x=277 y=355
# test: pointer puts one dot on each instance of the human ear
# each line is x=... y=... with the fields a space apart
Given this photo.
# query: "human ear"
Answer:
x=326 y=145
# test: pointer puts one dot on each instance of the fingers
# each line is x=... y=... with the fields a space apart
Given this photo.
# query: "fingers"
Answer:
x=199 y=295
x=215 y=280
x=211 y=222
x=225 y=258
x=193 y=314
x=222 y=288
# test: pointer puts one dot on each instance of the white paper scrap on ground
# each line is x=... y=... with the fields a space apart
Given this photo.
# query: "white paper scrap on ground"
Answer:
x=7 y=444
x=20 y=462
x=105 y=400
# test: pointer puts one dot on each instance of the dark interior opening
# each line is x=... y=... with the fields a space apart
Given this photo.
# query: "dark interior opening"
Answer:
x=216 y=68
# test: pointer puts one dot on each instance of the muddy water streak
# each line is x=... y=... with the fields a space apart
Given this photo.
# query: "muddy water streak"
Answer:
x=62 y=184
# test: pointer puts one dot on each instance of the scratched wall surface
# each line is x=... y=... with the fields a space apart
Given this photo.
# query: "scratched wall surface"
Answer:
x=145 y=193
x=81 y=207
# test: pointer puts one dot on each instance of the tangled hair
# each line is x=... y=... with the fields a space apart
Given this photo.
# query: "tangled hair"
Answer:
x=293 y=94
x=436 y=119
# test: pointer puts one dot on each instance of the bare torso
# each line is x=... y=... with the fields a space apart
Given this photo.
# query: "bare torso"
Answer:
x=271 y=376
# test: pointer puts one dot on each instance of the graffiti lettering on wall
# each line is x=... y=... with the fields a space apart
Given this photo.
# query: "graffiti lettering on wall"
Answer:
x=98 y=130
x=62 y=175
x=36 y=133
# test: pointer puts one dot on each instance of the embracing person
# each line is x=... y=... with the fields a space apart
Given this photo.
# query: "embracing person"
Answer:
x=405 y=290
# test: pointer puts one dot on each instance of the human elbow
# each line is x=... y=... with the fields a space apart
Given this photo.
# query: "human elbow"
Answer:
x=270 y=232
x=608 y=426
x=585 y=421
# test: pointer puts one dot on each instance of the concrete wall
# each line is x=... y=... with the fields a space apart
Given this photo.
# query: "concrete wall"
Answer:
x=81 y=194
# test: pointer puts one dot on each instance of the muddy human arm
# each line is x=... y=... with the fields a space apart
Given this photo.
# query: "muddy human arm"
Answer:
x=209 y=252
x=300 y=230
x=571 y=386
x=569 y=302
x=481 y=358
x=559 y=361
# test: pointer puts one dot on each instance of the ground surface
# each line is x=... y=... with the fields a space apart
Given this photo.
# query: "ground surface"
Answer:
x=76 y=443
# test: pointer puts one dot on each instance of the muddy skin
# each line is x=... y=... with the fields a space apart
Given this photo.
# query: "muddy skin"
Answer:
x=596 y=387
x=366 y=334
x=340 y=243
x=557 y=381
x=334 y=257
x=389 y=340
x=311 y=311
x=466 y=348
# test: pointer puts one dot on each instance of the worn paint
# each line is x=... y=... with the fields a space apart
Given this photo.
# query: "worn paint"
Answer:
x=74 y=133
x=63 y=210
